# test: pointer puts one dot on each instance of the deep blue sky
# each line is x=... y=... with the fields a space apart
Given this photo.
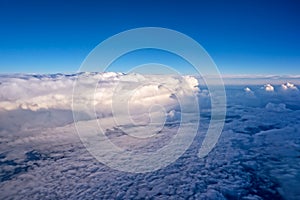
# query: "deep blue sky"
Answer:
x=243 y=37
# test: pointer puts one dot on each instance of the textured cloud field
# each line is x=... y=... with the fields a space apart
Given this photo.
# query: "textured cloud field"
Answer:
x=42 y=157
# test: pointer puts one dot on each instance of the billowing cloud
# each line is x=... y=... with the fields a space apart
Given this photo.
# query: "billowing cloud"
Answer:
x=31 y=92
x=289 y=86
x=268 y=87
x=131 y=97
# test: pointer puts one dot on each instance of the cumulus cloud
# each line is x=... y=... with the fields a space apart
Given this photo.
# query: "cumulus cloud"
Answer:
x=288 y=86
x=192 y=82
x=35 y=92
x=268 y=87
x=32 y=92
x=131 y=97
x=246 y=89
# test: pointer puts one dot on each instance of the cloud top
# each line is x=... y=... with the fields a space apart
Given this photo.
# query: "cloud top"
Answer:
x=35 y=92
x=288 y=86
x=269 y=88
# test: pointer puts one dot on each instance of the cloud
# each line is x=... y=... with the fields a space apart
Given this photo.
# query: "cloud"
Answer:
x=32 y=92
x=192 y=82
x=256 y=79
x=276 y=107
x=51 y=163
x=42 y=157
x=246 y=89
x=268 y=87
x=289 y=86
x=41 y=100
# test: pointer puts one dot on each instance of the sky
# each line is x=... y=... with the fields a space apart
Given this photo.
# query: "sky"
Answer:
x=242 y=37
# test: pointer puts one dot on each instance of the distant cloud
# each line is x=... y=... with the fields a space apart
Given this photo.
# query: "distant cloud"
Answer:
x=27 y=101
x=276 y=107
x=288 y=86
x=268 y=87
x=34 y=92
x=257 y=79
x=247 y=89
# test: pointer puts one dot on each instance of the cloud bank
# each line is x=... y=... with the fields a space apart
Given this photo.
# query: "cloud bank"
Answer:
x=34 y=92
x=42 y=157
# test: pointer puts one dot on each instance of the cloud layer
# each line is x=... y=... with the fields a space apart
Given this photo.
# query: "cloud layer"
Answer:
x=42 y=157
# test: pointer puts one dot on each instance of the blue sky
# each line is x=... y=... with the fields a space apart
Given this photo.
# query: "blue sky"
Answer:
x=243 y=37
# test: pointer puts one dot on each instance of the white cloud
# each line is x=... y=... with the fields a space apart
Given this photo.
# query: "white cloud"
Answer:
x=52 y=163
x=131 y=97
x=192 y=82
x=247 y=89
x=289 y=86
x=45 y=160
x=268 y=87
x=55 y=92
